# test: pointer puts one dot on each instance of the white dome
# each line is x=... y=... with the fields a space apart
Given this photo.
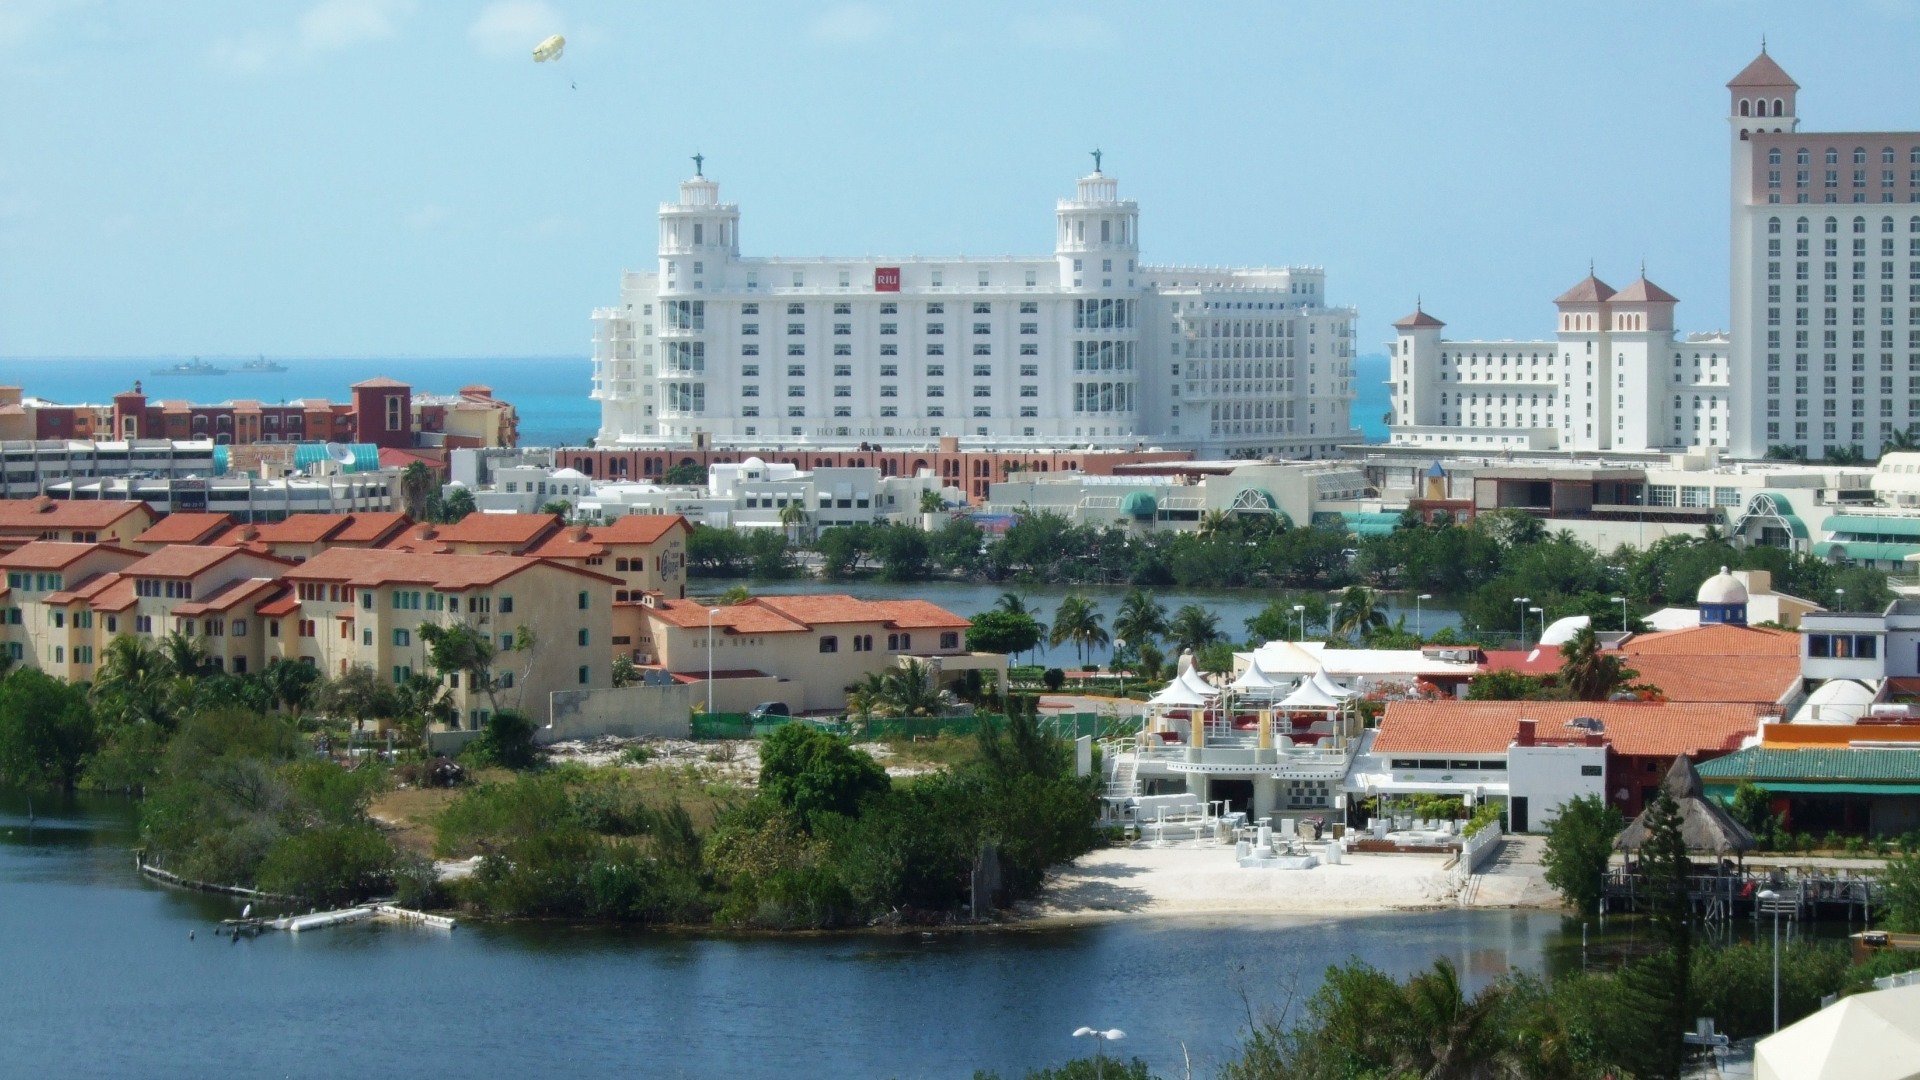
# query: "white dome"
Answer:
x=1565 y=630
x=753 y=463
x=1722 y=588
x=567 y=474
x=1836 y=701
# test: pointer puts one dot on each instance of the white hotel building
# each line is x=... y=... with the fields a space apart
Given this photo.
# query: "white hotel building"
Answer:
x=1825 y=347
x=1086 y=347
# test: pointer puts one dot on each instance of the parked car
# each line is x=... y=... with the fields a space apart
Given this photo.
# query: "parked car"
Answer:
x=768 y=709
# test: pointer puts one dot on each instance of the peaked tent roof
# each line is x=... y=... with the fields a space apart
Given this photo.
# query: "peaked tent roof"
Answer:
x=1177 y=692
x=1703 y=823
x=1256 y=678
x=1309 y=695
x=1417 y=320
x=1763 y=72
x=1643 y=291
x=1590 y=290
x=1871 y=1036
x=1193 y=681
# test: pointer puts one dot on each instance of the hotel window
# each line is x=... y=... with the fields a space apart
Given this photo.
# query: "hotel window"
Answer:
x=936 y=308
x=889 y=308
x=1029 y=391
x=936 y=391
x=829 y=644
x=796 y=349
x=796 y=309
x=889 y=349
x=843 y=350
x=796 y=391
x=749 y=309
x=750 y=371
x=796 y=411
x=794 y=328
x=889 y=328
x=394 y=419
x=982 y=411
x=1032 y=371
x=982 y=371
x=936 y=371
x=843 y=391
x=750 y=328
x=983 y=391
x=889 y=371
x=843 y=371
x=982 y=328
x=981 y=307
x=1029 y=307
x=1030 y=349
x=934 y=348
x=936 y=328
x=749 y=350
x=1029 y=328
x=843 y=308
x=749 y=390
x=983 y=350
x=1029 y=411
x=841 y=329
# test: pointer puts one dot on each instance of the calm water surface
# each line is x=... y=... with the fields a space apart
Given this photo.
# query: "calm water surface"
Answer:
x=100 y=980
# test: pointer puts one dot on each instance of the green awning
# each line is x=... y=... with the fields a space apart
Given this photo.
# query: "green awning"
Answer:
x=1140 y=504
x=1371 y=523
x=1866 y=550
x=1775 y=504
x=1873 y=526
x=1797 y=787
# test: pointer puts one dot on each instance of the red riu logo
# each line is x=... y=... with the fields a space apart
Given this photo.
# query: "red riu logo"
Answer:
x=886 y=279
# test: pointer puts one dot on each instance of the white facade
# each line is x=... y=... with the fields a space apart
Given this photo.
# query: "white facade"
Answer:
x=1825 y=275
x=1084 y=347
x=1615 y=377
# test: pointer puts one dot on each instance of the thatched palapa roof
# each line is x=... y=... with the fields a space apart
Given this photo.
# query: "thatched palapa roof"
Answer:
x=1703 y=823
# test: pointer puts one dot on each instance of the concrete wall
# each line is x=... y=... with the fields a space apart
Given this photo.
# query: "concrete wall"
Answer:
x=627 y=711
x=1547 y=776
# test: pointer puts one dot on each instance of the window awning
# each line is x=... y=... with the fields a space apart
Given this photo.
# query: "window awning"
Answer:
x=1866 y=550
x=1849 y=787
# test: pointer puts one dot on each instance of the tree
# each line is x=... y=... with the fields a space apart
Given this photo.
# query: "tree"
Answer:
x=1077 y=620
x=1275 y=622
x=359 y=694
x=1003 y=632
x=1588 y=672
x=685 y=474
x=186 y=657
x=562 y=507
x=1193 y=627
x=735 y=594
x=932 y=502
x=133 y=682
x=1015 y=604
x=1666 y=867
x=1359 y=612
x=1752 y=807
x=47 y=731
x=460 y=649
x=813 y=773
x=507 y=741
x=420 y=701
x=291 y=685
x=1783 y=452
x=793 y=518
x=1900 y=892
x=1141 y=621
x=1579 y=843
x=625 y=671
x=456 y=505
x=417 y=485
x=1900 y=441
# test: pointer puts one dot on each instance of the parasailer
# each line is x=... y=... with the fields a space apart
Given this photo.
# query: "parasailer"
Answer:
x=550 y=49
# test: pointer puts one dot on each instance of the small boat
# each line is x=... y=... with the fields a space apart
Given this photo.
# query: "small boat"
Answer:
x=196 y=366
x=260 y=366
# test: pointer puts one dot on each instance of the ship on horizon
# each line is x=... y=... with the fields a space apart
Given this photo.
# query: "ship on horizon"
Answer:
x=195 y=366
x=261 y=366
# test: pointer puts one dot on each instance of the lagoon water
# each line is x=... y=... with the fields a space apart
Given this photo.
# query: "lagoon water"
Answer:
x=98 y=978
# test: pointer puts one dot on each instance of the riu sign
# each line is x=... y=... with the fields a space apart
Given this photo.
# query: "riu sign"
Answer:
x=886 y=279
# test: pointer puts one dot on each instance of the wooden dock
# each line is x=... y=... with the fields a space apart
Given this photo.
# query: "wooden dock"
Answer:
x=1717 y=897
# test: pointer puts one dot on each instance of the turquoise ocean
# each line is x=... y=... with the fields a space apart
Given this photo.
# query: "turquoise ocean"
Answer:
x=550 y=392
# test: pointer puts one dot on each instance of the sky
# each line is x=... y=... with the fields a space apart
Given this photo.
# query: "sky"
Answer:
x=398 y=178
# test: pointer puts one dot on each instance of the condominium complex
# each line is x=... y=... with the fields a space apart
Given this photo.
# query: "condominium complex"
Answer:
x=1087 y=347
x=1824 y=351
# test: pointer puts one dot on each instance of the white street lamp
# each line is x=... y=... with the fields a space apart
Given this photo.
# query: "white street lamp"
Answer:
x=711 y=612
x=1768 y=896
x=1100 y=1041
x=1301 y=610
x=1840 y=599
x=1543 y=621
x=1622 y=601
x=1416 y=613
x=1521 y=602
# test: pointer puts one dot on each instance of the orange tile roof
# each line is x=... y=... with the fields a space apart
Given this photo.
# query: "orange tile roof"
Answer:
x=301 y=528
x=752 y=617
x=115 y=595
x=370 y=567
x=920 y=615
x=44 y=513
x=638 y=528
x=1715 y=640
x=1759 y=680
x=180 y=561
x=818 y=609
x=284 y=602
x=229 y=596
x=572 y=542
x=478 y=528
x=185 y=528
x=1652 y=729
x=55 y=554
x=1545 y=661
x=373 y=527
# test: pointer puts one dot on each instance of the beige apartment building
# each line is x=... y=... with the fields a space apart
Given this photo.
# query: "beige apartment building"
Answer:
x=647 y=552
x=346 y=607
x=40 y=518
x=815 y=646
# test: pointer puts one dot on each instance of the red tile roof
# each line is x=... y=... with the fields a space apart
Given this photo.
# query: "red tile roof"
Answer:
x=1763 y=72
x=1590 y=290
x=638 y=528
x=1715 y=639
x=1652 y=729
x=44 y=513
x=751 y=617
x=1417 y=320
x=1717 y=662
x=186 y=528
x=1644 y=292
x=179 y=561
x=370 y=567
x=55 y=555
x=285 y=602
x=518 y=530
x=1544 y=661
x=114 y=595
x=790 y=614
x=229 y=596
x=372 y=527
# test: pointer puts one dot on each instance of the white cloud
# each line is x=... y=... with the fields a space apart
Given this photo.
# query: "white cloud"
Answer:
x=508 y=28
x=427 y=217
x=336 y=24
x=1064 y=30
x=851 y=24
x=249 y=53
x=22 y=21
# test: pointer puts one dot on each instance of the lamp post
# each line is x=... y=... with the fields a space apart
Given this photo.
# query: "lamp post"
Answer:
x=1333 y=618
x=1301 y=610
x=1543 y=622
x=1100 y=1041
x=1622 y=601
x=1521 y=602
x=1416 y=613
x=1840 y=599
x=711 y=612
x=1768 y=896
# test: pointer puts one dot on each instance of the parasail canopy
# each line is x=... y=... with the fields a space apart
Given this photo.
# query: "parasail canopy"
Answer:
x=550 y=49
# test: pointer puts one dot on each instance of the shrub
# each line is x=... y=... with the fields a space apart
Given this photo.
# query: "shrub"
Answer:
x=1053 y=678
x=330 y=865
x=1579 y=844
x=507 y=742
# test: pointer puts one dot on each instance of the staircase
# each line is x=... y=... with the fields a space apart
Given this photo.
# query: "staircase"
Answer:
x=1122 y=783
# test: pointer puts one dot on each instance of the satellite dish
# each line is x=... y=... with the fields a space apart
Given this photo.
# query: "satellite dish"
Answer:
x=340 y=453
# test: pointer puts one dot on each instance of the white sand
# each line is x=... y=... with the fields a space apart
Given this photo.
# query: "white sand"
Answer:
x=1189 y=880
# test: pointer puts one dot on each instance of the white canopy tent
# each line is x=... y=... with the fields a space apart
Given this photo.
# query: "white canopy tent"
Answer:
x=1177 y=695
x=1255 y=682
x=1872 y=1036
x=1197 y=683
x=1310 y=695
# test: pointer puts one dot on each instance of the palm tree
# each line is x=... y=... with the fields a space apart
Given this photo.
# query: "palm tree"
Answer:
x=1359 y=612
x=1194 y=627
x=132 y=682
x=1142 y=619
x=1588 y=673
x=793 y=518
x=1078 y=620
x=932 y=502
x=1448 y=1036
x=291 y=684
x=1900 y=441
x=417 y=482
x=1215 y=522
x=1014 y=604
x=457 y=504
x=360 y=695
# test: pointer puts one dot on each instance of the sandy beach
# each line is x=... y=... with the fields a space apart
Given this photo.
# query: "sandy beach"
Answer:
x=1194 y=880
